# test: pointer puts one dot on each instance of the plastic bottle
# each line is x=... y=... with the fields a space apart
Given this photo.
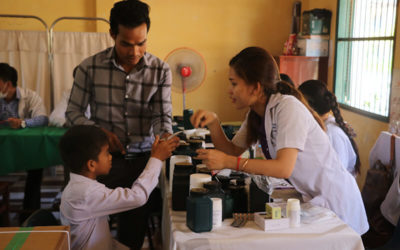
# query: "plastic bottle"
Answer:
x=293 y=209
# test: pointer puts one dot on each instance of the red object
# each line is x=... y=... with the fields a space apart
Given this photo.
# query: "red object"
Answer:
x=238 y=163
x=186 y=71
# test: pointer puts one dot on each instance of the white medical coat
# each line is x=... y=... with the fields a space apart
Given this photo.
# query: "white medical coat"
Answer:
x=318 y=173
x=341 y=143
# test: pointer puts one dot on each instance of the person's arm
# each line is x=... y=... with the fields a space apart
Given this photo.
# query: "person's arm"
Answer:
x=162 y=105
x=34 y=112
x=202 y=118
x=280 y=167
x=108 y=201
x=79 y=98
x=38 y=121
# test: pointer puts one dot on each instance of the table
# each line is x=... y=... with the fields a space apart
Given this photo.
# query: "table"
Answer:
x=29 y=148
x=320 y=229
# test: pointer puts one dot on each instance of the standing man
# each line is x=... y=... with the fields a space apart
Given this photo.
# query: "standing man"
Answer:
x=129 y=92
x=21 y=108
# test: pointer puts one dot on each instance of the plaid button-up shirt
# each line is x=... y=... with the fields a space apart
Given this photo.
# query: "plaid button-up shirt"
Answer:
x=134 y=105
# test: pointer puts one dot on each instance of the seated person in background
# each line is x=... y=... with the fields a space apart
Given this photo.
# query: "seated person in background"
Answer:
x=340 y=134
x=19 y=108
x=286 y=78
x=86 y=203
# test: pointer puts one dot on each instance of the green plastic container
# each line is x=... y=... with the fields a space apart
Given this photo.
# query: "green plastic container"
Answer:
x=316 y=22
x=199 y=211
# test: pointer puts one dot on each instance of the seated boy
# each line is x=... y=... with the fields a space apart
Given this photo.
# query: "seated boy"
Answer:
x=86 y=203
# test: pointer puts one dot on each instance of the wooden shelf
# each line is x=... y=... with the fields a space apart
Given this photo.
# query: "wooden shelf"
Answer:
x=303 y=68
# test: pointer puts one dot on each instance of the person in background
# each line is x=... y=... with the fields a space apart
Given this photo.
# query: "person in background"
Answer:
x=340 y=134
x=286 y=78
x=86 y=203
x=21 y=108
x=293 y=140
x=129 y=93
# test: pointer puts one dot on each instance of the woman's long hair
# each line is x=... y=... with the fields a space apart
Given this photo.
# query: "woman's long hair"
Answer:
x=323 y=101
x=253 y=65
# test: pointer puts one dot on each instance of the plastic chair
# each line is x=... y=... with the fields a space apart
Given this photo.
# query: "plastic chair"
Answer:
x=41 y=217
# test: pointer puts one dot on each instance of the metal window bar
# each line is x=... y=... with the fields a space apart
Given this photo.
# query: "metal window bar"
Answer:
x=364 y=55
x=51 y=49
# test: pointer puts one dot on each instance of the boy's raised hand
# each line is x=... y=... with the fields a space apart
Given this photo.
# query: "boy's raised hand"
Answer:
x=162 y=149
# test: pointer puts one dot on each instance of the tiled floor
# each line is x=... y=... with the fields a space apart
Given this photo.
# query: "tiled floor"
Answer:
x=52 y=183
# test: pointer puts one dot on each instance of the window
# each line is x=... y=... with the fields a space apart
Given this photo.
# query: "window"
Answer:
x=364 y=55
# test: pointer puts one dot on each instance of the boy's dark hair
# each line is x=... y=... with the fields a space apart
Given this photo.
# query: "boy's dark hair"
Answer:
x=80 y=144
x=8 y=73
x=129 y=13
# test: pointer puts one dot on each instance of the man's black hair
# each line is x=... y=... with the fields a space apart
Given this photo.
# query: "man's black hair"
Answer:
x=80 y=144
x=8 y=73
x=129 y=13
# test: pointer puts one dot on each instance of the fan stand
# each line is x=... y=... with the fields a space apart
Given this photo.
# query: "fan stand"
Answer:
x=185 y=72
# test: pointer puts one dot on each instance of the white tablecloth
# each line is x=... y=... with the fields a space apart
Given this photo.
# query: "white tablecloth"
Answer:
x=320 y=229
x=390 y=207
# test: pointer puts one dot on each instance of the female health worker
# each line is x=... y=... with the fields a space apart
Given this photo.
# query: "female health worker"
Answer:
x=340 y=134
x=291 y=134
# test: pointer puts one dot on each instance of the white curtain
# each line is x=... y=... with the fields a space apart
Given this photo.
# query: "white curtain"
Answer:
x=27 y=52
x=70 y=48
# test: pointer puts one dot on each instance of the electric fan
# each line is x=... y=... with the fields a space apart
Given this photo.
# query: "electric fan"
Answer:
x=188 y=70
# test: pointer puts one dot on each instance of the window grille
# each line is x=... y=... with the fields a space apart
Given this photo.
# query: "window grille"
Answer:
x=364 y=55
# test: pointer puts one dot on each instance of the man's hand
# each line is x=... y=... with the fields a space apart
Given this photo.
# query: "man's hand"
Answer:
x=114 y=143
x=14 y=122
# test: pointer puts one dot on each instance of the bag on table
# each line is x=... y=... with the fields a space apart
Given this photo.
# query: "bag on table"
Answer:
x=377 y=183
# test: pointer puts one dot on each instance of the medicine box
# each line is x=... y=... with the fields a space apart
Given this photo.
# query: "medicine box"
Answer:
x=273 y=210
x=266 y=223
x=43 y=238
x=313 y=46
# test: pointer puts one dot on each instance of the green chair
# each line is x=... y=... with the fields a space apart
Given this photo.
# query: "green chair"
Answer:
x=41 y=217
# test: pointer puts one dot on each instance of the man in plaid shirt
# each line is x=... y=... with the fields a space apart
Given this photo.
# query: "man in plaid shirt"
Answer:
x=129 y=93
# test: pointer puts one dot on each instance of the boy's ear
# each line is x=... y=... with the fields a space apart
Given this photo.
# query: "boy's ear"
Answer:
x=91 y=166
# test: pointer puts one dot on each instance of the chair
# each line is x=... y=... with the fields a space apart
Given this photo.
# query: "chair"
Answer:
x=5 y=203
x=41 y=217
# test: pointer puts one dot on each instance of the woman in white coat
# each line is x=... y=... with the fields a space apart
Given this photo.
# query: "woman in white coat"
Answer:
x=340 y=134
x=291 y=135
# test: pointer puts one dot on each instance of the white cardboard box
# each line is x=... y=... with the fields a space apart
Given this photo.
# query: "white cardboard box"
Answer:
x=313 y=47
x=270 y=224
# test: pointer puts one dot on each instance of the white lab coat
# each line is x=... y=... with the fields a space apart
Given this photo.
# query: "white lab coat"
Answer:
x=341 y=143
x=318 y=174
x=86 y=204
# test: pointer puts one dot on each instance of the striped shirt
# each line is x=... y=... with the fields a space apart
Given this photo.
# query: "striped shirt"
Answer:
x=134 y=105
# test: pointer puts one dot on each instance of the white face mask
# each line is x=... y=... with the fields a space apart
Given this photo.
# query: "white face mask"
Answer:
x=3 y=95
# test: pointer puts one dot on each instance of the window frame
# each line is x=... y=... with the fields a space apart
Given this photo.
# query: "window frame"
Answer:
x=351 y=108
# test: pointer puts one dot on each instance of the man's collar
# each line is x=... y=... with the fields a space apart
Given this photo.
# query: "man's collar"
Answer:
x=111 y=57
x=17 y=93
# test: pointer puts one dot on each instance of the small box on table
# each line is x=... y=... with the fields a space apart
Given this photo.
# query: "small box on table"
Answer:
x=266 y=223
x=44 y=237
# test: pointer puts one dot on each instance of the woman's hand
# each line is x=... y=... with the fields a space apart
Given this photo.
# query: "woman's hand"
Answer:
x=202 y=118
x=162 y=149
x=214 y=159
